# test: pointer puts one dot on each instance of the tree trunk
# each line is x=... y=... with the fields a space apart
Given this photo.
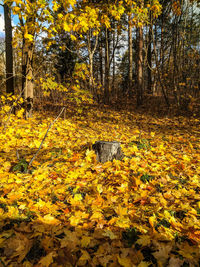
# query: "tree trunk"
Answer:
x=27 y=77
x=113 y=65
x=27 y=67
x=107 y=151
x=130 y=55
x=149 y=60
x=158 y=70
x=91 y=78
x=107 y=68
x=162 y=45
x=91 y=51
x=101 y=61
x=139 y=66
x=9 y=50
x=175 y=65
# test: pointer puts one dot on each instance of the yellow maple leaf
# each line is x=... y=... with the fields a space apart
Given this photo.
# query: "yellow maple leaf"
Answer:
x=163 y=253
x=121 y=211
x=16 y=9
x=125 y=262
x=74 y=220
x=78 y=197
x=144 y=240
x=48 y=259
x=55 y=6
x=72 y=2
x=99 y=188
x=96 y=215
x=48 y=219
x=85 y=241
x=186 y=158
x=73 y=37
x=37 y=143
x=90 y=155
x=143 y=264
x=18 y=245
x=70 y=240
x=20 y=113
x=66 y=27
x=123 y=222
x=152 y=221
x=28 y=36
x=110 y=234
x=7 y=166
x=84 y=258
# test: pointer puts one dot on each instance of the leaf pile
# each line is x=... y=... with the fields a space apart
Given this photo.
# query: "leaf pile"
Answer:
x=71 y=210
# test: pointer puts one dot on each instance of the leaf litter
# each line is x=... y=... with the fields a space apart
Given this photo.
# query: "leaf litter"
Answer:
x=70 y=210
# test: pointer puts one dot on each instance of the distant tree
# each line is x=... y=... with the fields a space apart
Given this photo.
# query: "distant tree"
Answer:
x=2 y=61
x=139 y=64
x=64 y=57
x=130 y=52
x=9 y=50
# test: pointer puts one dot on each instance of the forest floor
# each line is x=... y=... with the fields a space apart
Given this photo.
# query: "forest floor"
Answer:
x=70 y=210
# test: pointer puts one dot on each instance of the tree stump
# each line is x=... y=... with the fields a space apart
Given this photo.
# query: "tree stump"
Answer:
x=107 y=151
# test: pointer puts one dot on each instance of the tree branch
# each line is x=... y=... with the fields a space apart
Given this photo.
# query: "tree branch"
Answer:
x=51 y=124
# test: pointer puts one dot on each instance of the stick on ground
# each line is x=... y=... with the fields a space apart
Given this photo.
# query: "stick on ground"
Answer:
x=51 y=124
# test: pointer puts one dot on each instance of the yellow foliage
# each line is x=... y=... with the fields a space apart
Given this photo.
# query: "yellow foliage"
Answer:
x=85 y=213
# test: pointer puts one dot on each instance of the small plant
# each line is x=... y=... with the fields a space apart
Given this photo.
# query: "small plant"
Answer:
x=21 y=166
x=164 y=223
x=146 y=178
x=143 y=144
x=56 y=152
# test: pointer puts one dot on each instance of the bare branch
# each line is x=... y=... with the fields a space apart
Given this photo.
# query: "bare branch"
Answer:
x=51 y=124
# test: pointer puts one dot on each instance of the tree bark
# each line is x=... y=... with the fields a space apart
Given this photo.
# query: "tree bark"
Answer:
x=91 y=51
x=139 y=66
x=27 y=63
x=149 y=60
x=107 y=68
x=130 y=55
x=107 y=151
x=9 y=50
x=113 y=65
x=27 y=77
x=158 y=71
x=101 y=60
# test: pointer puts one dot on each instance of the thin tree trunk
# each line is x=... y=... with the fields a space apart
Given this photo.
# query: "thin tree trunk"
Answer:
x=162 y=45
x=90 y=61
x=149 y=60
x=27 y=77
x=27 y=69
x=175 y=66
x=139 y=66
x=158 y=71
x=91 y=50
x=113 y=69
x=9 y=50
x=107 y=68
x=130 y=55
x=101 y=61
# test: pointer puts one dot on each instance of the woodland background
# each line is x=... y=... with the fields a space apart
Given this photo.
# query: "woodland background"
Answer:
x=118 y=51
x=72 y=73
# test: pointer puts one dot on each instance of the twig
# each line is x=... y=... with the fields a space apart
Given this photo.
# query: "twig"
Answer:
x=17 y=154
x=51 y=124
